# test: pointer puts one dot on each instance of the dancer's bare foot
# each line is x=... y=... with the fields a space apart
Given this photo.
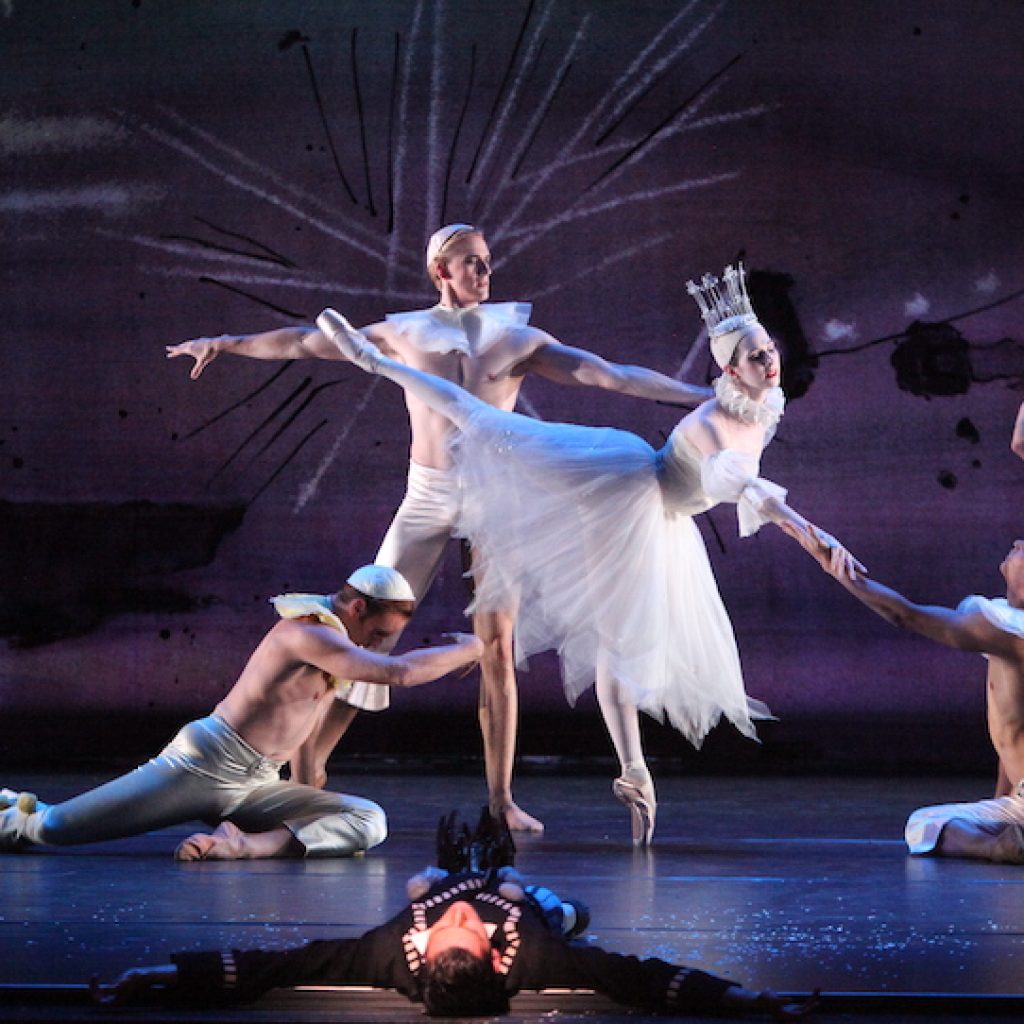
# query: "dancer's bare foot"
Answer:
x=224 y=843
x=516 y=818
x=229 y=842
x=1008 y=847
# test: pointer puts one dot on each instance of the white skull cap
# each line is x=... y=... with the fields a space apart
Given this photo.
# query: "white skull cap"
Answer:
x=382 y=583
x=442 y=236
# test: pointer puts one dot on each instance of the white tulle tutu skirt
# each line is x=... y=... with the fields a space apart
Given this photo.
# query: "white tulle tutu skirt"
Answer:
x=570 y=527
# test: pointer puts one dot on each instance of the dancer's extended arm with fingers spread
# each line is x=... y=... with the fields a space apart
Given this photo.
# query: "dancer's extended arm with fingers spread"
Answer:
x=962 y=630
x=282 y=343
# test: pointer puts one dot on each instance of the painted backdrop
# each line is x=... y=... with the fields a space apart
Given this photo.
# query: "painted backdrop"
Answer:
x=178 y=170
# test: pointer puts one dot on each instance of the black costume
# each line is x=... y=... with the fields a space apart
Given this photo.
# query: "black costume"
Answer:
x=387 y=957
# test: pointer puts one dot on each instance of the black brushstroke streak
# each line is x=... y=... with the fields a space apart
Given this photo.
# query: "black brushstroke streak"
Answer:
x=458 y=132
x=543 y=117
x=326 y=126
x=968 y=431
x=947 y=479
x=291 y=313
x=769 y=294
x=600 y=140
x=362 y=124
x=296 y=413
x=290 y=39
x=71 y=567
x=278 y=409
x=899 y=334
x=228 y=250
x=662 y=125
x=932 y=360
x=273 y=253
x=391 y=134
x=718 y=537
x=501 y=91
x=483 y=187
x=288 y=458
x=242 y=401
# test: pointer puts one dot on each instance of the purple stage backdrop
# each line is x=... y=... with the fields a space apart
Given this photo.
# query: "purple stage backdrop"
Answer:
x=178 y=170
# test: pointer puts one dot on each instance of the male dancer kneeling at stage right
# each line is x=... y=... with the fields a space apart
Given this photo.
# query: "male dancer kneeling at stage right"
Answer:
x=472 y=936
x=226 y=768
x=989 y=829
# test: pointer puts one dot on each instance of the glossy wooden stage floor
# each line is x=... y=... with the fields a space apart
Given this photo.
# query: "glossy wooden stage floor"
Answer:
x=781 y=882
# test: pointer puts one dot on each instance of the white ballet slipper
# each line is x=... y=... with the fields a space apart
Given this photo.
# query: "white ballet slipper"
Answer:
x=638 y=795
x=12 y=828
x=354 y=347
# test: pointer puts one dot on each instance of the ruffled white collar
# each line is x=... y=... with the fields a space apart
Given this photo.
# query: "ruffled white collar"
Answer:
x=469 y=330
x=740 y=406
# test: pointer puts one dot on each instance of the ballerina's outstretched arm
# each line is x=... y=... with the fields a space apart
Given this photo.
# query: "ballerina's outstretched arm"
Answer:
x=450 y=400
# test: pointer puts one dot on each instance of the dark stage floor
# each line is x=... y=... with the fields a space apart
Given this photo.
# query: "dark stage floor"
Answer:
x=789 y=883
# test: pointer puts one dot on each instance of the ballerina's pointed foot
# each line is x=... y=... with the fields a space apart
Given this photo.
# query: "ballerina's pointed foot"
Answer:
x=517 y=819
x=638 y=795
x=224 y=843
x=351 y=343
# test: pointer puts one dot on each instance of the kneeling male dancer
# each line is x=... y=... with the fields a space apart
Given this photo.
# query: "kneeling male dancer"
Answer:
x=226 y=768
x=988 y=829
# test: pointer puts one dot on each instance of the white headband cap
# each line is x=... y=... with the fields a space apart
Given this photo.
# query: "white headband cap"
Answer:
x=442 y=236
x=381 y=582
x=723 y=343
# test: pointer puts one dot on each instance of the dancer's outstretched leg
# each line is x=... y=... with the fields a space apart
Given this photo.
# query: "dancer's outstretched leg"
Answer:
x=634 y=787
x=450 y=400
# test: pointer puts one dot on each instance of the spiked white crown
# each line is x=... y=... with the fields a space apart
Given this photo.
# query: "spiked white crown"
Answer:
x=726 y=310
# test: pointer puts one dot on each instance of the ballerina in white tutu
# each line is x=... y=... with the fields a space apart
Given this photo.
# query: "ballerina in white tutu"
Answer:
x=588 y=531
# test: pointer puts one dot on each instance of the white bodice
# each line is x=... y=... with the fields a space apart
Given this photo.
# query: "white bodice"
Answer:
x=692 y=483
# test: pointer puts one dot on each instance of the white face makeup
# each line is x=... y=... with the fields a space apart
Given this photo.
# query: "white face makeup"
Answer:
x=757 y=366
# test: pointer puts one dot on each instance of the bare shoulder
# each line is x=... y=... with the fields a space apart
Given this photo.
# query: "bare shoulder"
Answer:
x=306 y=634
x=702 y=428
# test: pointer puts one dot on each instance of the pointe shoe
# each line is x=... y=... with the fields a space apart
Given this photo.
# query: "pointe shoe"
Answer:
x=643 y=806
x=352 y=344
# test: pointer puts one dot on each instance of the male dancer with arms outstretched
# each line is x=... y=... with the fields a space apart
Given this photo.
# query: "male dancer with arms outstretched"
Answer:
x=226 y=768
x=989 y=829
x=487 y=349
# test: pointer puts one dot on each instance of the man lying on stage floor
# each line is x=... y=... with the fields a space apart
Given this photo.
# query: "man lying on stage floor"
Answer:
x=472 y=936
x=226 y=768
x=989 y=829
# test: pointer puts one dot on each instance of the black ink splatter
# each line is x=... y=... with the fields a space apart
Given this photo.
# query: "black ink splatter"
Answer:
x=290 y=39
x=968 y=431
x=947 y=479
x=932 y=360
x=769 y=293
